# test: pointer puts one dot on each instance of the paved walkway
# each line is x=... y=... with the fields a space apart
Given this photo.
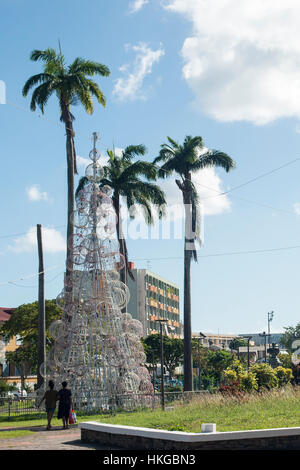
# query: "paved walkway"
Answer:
x=56 y=439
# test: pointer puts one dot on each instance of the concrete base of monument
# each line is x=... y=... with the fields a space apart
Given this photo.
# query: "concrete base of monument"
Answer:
x=134 y=438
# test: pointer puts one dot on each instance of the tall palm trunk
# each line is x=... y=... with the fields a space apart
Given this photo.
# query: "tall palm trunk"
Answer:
x=187 y=309
x=66 y=116
x=116 y=204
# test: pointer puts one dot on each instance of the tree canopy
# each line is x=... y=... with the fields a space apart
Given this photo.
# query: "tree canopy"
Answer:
x=173 y=351
x=23 y=323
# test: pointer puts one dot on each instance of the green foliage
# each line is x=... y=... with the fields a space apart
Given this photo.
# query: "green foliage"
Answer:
x=71 y=84
x=286 y=360
x=217 y=362
x=173 y=351
x=230 y=376
x=186 y=159
x=240 y=378
x=132 y=180
x=284 y=375
x=248 y=381
x=23 y=323
x=4 y=387
x=236 y=343
x=291 y=333
x=265 y=375
x=237 y=366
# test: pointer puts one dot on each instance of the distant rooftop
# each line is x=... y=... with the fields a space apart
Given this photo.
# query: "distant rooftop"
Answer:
x=5 y=313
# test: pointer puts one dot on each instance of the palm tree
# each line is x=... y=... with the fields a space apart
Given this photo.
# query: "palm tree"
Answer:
x=123 y=176
x=185 y=160
x=72 y=85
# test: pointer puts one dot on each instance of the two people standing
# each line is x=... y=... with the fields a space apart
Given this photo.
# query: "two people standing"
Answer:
x=64 y=396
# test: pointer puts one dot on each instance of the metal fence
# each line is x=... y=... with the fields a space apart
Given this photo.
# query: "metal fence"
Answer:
x=27 y=406
x=12 y=406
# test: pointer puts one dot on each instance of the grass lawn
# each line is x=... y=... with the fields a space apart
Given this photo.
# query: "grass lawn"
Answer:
x=13 y=434
x=274 y=409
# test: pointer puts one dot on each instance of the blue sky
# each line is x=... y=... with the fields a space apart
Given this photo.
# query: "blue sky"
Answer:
x=226 y=70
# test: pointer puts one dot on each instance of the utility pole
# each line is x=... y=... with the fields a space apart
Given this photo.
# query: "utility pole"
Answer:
x=41 y=311
x=270 y=318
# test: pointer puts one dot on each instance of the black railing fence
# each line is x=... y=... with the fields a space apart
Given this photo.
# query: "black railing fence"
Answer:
x=12 y=406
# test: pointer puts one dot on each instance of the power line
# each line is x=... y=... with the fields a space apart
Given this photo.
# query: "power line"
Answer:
x=34 y=286
x=29 y=276
x=257 y=177
x=196 y=183
x=24 y=233
x=230 y=253
x=243 y=184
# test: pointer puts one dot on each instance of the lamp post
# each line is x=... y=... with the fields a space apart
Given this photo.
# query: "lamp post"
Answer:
x=161 y=321
x=248 y=349
x=270 y=318
x=201 y=335
x=264 y=336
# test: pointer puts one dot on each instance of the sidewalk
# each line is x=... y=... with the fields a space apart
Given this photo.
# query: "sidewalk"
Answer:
x=56 y=439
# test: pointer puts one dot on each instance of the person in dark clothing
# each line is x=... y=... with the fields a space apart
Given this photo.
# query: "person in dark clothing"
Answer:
x=65 y=401
x=50 y=398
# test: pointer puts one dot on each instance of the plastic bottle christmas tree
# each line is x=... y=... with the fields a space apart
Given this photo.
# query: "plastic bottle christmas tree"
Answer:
x=97 y=348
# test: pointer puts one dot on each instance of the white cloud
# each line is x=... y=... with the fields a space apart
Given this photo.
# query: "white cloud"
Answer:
x=53 y=241
x=297 y=208
x=136 y=5
x=84 y=162
x=242 y=60
x=209 y=187
x=129 y=87
x=34 y=193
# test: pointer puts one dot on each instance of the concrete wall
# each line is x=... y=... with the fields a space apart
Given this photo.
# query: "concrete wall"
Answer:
x=127 y=437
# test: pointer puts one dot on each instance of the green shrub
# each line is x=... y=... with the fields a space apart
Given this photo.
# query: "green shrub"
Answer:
x=237 y=366
x=265 y=375
x=230 y=376
x=284 y=375
x=4 y=387
x=248 y=381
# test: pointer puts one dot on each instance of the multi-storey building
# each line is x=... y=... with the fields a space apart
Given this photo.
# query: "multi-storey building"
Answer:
x=151 y=298
x=212 y=340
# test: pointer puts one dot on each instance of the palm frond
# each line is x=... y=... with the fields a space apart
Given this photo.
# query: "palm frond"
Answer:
x=213 y=158
x=132 y=151
x=35 y=80
x=95 y=90
x=88 y=67
x=40 y=96
x=47 y=55
x=139 y=168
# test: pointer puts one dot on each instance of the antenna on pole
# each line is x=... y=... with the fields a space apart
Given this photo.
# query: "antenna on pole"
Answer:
x=59 y=46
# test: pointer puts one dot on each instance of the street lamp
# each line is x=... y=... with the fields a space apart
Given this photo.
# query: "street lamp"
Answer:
x=248 y=348
x=161 y=321
x=264 y=336
x=201 y=335
x=270 y=318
